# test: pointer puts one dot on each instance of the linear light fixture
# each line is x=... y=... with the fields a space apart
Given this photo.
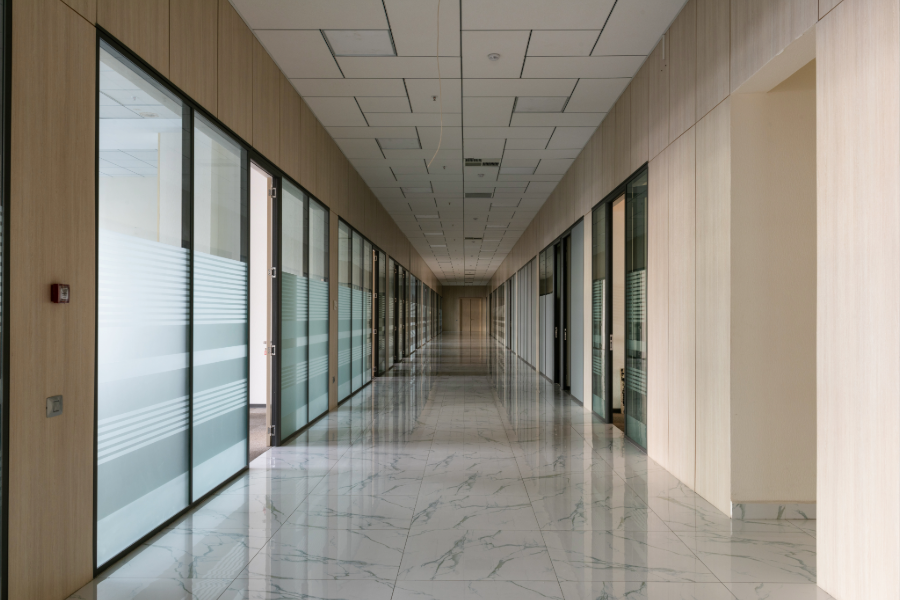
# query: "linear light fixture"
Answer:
x=361 y=42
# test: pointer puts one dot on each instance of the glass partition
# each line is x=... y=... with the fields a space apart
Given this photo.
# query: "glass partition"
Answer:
x=345 y=303
x=635 y=400
x=600 y=310
x=367 y=311
x=318 y=309
x=144 y=265
x=357 y=311
x=294 y=311
x=221 y=319
x=381 y=267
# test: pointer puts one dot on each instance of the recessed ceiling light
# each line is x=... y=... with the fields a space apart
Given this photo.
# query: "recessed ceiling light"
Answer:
x=493 y=56
x=366 y=42
x=399 y=143
x=540 y=104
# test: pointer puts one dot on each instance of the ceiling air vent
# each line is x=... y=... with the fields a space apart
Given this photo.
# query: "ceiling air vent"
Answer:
x=473 y=162
x=473 y=238
x=479 y=194
x=480 y=162
x=493 y=163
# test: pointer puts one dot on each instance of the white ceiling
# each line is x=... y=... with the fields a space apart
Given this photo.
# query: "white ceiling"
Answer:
x=375 y=107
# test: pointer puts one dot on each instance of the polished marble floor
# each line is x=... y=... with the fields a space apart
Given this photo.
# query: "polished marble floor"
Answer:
x=463 y=475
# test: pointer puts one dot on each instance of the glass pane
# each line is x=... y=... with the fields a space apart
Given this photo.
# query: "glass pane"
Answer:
x=221 y=318
x=143 y=304
x=382 y=301
x=391 y=312
x=413 y=285
x=636 y=310
x=294 y=312
x=357 y=353
x=344 y=310
x=547 y=312
x=599 y=295
x=318 y=309
x=367 y=311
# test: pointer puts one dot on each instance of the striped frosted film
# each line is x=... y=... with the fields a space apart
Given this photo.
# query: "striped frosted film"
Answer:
x=635 y=401
x=600 y=295
x=318 y=309
x=143 y=307
x=344 y=308
x=367 y=311
x=221 y=244
x=356 y=353
x=294 y=312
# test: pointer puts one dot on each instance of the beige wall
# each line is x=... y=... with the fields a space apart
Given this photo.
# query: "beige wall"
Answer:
x=773 y=292
x=450 y=304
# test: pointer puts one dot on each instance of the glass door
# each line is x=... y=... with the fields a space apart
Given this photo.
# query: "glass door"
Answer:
x=635 y=400
x=381 y=299
x=601 y=313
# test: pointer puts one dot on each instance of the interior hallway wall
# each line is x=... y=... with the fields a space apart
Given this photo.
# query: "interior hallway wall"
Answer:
x=579 y=327
x=450 y=304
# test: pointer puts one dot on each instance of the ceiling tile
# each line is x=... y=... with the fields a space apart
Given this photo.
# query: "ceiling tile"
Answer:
x=412 y=67
x=565 y=119
x=635 y=26
x=312 y=14
x=414 y=26
x=488 y=112
x=413 y=119
x=596 y=95
x=552 y=167
x=535 y=14
x=526 y=144
x=507 y=132
x=552 y=153
x=421 y=92
x=490 y=148
x=562 y=42
x=518 y=87
x=579 y=66
x=372 y=132
x=477 y=45
x=358 y=148
x=300 y=54
x=349 y=87
x=570 y=137
x=374 y=104
x=337 y=112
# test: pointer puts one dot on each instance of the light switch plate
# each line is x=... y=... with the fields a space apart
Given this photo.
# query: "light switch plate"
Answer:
x=54 y=406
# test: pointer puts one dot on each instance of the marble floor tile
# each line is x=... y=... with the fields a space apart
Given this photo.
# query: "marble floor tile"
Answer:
x=465 y=555
x=355 y=511
x=296 y=552
x=462 y=474
x=622 y=556
x=463 y=511
x=762 y=557
x=477 y=590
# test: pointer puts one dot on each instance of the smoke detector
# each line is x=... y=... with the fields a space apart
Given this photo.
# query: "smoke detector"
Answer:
x=493 y=56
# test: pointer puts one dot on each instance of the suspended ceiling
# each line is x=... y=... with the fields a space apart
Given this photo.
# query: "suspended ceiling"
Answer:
x=369 y=71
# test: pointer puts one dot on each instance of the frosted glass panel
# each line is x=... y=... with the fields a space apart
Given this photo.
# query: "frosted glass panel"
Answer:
x=220 y=378
x=367 y=311
x=294 y=312
x=600 y=294
x=344 y=311
x=143 y=306
x=357 y=299
x=636 y=310
x=318 y=310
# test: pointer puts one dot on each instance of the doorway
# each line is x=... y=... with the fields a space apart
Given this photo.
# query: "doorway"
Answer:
x=471 y=315
x=262 y=190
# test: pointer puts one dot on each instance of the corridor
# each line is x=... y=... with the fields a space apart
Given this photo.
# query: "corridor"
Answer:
x=463 y=475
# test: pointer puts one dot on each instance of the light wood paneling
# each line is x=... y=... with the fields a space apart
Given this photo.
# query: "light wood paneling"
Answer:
x=583 y=204
x=760 y=29
x=289 y=135
x=340 y=168
x=266 y=104
x=658 y=310
x=194 y=50
x=142 y=25
x=608 y=155
x=355 y=204
x=623 y=138
x=52 y=198
x=858 y=330
x=640 y=118
x=825 y=6
x=658 y=102
x=713 y=54
x=713 y=251
x=86 y=8
x=682 y=308
x=597 y=166
x=323 y=165
x=308 y=148
x=234 y=105
x=683 y=71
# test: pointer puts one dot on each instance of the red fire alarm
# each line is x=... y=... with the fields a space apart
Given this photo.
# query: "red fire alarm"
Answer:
x=59 y=293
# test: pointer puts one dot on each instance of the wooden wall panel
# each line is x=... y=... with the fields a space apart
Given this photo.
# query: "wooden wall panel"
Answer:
x=640 y=118
x=289 y=134
x=308 y=148
x=323 y=165
x=142 y=25
x=52 y=208
x=658 y=102
x=623 y=138
x=234 y=105
x=682 y=308
x=658 y=310
x=340 y=173
x=713 y=54
x=597 y=166
x=266 y=104
x=713 y=248
x=194 y=49
x=583 y=204
x=683 y=71
x=86 y=8
x=608 y=154
x=858 y=329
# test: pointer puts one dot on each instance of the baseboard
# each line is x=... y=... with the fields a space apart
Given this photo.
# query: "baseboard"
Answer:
x=751 y=511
